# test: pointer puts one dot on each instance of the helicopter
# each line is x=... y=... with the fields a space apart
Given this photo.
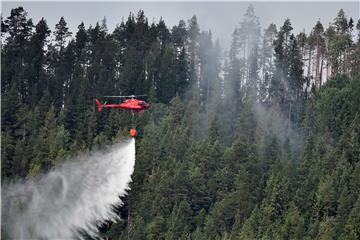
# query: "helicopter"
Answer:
x=130 y=103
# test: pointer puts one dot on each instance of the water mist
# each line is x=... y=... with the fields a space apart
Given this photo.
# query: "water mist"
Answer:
x=74 y=196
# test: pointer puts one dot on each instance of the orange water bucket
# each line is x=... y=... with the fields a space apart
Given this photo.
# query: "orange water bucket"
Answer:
x=133 y=132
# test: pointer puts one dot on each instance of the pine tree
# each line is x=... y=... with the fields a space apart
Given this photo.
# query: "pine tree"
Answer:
x=182 y=72
x=326 y=229
x=267 y=62
x=318 y=36
x=41 y=154
x=179 y=34
x=179 y=221
x=15 y=52
x=61 y=34
x=193 y=33
x=38 y=74
x=155 y=228
x=293 y=228
x=7 y=152
x=279 y=80
x=20 y=159
x=249 y=45
x=354 y=60
x=351 y=230
x=339 y=43
x=214 y=130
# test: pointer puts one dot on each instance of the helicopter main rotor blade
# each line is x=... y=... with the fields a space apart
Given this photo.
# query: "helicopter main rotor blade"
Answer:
x=116 y=96
x=129 y=96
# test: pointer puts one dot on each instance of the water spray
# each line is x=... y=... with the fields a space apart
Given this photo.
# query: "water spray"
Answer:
x=76 y=196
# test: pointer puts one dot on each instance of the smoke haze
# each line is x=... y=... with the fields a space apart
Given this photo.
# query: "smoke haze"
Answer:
x=76 y=196
x=210 y=14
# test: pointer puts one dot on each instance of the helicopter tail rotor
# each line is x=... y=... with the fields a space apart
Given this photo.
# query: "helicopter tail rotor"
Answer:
x=99 y=105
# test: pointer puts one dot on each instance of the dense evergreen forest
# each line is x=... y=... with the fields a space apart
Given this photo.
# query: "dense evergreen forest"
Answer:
x=261 y=141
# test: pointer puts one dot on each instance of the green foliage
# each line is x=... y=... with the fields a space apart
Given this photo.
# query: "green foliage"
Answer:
x=206 y=167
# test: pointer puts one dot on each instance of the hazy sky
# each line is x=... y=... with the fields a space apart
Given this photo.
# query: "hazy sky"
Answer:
x=220 y=17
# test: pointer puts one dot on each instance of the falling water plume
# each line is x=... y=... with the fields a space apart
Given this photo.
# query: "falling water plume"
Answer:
x=76 y=196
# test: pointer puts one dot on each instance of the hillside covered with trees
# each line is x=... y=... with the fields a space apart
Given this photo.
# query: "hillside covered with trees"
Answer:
x=261 y=141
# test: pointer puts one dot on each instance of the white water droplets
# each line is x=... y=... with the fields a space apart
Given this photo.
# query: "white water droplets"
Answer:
x=75 y=196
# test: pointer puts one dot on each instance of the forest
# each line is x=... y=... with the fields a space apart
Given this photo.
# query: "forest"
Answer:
x=258 y=141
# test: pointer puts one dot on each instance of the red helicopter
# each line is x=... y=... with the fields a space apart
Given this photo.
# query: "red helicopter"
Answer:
x=135 y=105
x=130 y=103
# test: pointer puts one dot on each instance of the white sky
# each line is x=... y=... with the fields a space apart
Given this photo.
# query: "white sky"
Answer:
x=220 y=17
